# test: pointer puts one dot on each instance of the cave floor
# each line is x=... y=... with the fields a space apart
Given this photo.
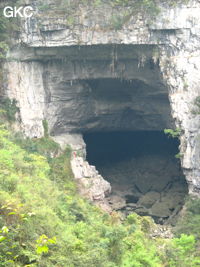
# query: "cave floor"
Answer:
x=149 y=185
x=144 y=174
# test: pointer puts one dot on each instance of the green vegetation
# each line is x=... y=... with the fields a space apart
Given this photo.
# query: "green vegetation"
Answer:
x=46 y=128
x=197 y=101
x=117 y=22
x=173 y=133
x=8 y=109
x=119 y=19
x=44 y=222
x=7 y=29
x=120 y=13
x=189 y=223
x=181 y=252
x=44 y=145
x=149 y=7
x=3 y=35
x=196 y=110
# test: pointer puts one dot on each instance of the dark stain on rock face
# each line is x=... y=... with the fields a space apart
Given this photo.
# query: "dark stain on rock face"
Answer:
x=144 y=174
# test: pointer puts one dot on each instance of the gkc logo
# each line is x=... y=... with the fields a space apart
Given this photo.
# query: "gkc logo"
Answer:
x=13 y=12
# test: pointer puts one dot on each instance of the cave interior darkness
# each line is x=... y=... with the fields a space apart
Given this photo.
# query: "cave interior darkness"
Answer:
x=144 y=174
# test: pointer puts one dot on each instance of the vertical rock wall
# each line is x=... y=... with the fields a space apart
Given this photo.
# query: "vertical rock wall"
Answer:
x=181 y=72
x=25 y=84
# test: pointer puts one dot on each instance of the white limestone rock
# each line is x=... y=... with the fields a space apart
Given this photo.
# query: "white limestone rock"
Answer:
x=91 y=183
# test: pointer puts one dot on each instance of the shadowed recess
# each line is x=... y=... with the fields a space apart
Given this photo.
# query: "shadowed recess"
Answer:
x=144 y=173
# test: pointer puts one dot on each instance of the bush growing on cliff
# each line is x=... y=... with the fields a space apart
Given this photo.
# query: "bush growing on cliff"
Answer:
x=8 y=109
x=7 y=29
x=173 y=133
x=3 y=36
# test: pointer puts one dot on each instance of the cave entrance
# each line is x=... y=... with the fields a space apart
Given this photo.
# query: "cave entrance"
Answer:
x=144 y=173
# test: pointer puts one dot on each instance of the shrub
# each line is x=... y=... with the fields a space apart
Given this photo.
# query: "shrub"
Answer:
x=173 y=133
x=181 y=252
x=189 y=223
x=9 y=109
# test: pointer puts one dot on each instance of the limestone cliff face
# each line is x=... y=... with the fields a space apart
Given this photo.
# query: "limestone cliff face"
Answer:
x=74 y=75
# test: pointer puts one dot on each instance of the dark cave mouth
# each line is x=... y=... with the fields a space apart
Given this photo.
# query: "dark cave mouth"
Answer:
x=141 y=167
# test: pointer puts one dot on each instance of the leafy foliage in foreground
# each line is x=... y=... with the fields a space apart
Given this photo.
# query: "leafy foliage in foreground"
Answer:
x=44 y=222
x=190 y=221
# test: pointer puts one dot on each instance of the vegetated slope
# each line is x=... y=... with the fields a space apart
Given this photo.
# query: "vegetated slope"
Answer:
x=44 y=222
